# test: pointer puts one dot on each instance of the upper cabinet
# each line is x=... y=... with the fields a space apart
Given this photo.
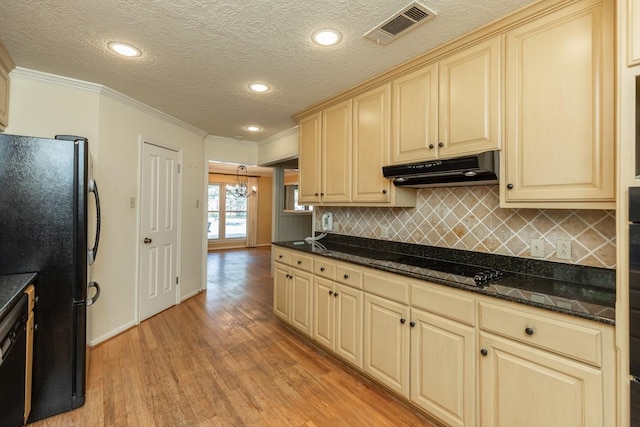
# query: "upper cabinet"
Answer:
x=449 y=108
x=6 y=65
x=559 y=148
x=633 y=29
x=342 y=151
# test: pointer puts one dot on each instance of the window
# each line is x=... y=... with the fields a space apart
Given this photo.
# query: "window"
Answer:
x=229 y=222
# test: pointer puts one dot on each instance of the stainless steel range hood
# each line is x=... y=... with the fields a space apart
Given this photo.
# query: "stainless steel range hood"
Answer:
x=480 y=169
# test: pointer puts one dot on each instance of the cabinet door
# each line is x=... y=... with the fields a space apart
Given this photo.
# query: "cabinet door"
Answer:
x=323 y=312
x=336 y=153
x=281 y=291
x=371 y=119
x=523 y=386
x=443 y=368
x=415 y=117
x=309 y=159
x=559 y=108
x=633 y=29
x=469 y=100
x=348 y=324
x=302 y=301
x=386 y=342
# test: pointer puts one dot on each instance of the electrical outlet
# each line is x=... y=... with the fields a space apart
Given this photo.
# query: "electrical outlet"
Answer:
x=563 y=249
x=537 y=248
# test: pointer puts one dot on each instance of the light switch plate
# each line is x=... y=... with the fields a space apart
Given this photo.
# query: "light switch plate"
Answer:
x=537 y=248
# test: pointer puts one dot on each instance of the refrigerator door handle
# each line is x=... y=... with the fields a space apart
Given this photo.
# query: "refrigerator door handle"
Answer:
x=93 y=252
x=94 y=298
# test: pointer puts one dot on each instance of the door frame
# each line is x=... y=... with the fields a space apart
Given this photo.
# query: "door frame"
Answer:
x=151 y=141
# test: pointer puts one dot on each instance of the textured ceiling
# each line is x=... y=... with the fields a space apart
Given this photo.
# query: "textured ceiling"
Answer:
x=199 y=55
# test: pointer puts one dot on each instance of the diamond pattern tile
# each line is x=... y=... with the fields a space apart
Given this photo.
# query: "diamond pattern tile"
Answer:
x=470 y=218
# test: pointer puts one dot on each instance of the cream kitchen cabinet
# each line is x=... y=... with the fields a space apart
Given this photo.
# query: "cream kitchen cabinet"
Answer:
x=293 y=289
x=449 y=108
x=6 y=66
x=342 y=151
x=633 y=30
x=559 y=147
x=338 y=319
x=543 y=369
x=443 y=353
x=325 y=156
x=386 y=342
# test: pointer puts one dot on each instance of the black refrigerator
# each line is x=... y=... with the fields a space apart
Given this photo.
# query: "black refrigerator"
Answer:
x=44 y=201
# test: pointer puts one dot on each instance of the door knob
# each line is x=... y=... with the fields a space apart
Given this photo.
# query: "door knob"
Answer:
x=147 y=240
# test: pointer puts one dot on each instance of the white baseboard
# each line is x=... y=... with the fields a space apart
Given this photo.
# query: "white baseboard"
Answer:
x=111 y=334
x=189 y=295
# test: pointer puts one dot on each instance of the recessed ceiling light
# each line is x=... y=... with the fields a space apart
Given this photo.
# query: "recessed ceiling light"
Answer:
x=253 y=128
x=124 y=49
x=258 y=87
x=327 y=37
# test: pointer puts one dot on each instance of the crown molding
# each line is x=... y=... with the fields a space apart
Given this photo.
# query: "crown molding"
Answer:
x=106 y=91
x=283 y=134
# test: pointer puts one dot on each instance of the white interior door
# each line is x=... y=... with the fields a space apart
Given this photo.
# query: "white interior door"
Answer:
x=159 y=230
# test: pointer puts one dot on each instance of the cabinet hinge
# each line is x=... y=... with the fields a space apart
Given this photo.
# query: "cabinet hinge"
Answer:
x=179 y=167
x=177 y=280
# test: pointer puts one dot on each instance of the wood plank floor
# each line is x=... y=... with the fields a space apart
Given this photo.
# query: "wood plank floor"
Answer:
x=222 y=358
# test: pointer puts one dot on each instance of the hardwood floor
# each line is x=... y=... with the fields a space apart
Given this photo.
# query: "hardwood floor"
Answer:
x=222 y=358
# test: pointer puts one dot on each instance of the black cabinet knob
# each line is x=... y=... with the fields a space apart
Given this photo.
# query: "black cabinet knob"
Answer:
x=529 y=331
x=316 y=194
x=384 y=191
x=440 y=144
x=321 y=268
x=322 y=194
x=335 y=294
x=299 y=262
x=330 y=292
x=280 y=256
x=412 y=324
x=402 y=321
x=484 y=352
x=431 y=146
x=510 y=186
x=346 y=276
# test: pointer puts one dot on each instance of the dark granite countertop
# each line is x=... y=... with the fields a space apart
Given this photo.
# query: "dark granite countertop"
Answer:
x=581 y=291
x=11 y=288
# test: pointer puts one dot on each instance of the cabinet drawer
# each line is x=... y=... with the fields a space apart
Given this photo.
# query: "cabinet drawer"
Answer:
x=324 y=268
x=555 y=335
x=349 y=276
x=281 y=255
x=303 y=262
x=444 y=302
x=386 y=286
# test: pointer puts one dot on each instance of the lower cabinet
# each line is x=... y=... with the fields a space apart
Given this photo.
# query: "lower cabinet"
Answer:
x=386 y=342
x=338 y=319
x=523 y=386
x=293 y=297
x=443 y=359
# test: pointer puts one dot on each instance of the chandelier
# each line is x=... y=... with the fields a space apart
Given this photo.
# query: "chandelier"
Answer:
x=242 y=184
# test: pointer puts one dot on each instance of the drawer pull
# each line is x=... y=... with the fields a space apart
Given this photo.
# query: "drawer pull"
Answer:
x=330 y=292
x=529 y=331
x=321 y=268
x=402 y=321
x=335 y=294
x=299 y=262
x=346 y=276
x=412 y=324
x=280 y=256
x=484 y=352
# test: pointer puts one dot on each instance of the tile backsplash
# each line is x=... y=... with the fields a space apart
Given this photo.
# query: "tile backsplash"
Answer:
x=470 y=218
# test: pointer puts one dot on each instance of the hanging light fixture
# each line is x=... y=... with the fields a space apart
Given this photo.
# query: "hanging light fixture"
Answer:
x=242 y=184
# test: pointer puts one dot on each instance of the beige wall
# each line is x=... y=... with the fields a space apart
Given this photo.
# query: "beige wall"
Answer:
x=43 y=105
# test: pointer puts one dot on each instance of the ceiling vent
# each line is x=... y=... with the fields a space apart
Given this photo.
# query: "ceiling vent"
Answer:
x=400 y=23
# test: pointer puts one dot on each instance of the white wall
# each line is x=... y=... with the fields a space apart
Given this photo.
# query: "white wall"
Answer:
x=283 y=146
x=44 y=105
x=230 y=150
